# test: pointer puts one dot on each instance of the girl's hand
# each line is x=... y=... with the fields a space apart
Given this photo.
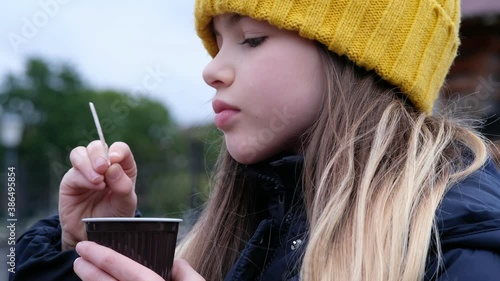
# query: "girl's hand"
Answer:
x=182 y=271
x=91 y=188
x=101 y=263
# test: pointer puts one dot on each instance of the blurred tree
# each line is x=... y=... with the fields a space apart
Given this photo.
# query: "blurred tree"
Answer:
x=190 y=179
x=53 y=101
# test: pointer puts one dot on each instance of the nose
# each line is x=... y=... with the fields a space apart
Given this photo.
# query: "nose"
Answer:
x=218 y=73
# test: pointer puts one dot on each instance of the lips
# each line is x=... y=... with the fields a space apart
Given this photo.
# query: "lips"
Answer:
x=220 y=106
x=224 y=113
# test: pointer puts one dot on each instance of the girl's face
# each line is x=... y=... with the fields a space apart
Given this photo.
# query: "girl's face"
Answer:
x=269 y=86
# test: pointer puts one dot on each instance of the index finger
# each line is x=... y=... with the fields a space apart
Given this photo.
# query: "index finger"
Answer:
x=115 y=264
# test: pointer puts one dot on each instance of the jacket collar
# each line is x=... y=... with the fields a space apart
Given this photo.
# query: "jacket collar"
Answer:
x=278 y=181
x=282 y=171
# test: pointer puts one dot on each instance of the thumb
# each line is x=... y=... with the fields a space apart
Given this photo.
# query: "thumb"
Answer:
x=122 y=196
x=182 y=271
x=118 y=181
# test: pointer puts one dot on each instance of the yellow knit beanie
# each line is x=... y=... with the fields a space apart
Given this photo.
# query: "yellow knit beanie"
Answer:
x=409 y=43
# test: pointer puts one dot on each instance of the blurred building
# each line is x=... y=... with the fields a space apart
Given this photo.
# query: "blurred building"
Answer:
x=474 y=79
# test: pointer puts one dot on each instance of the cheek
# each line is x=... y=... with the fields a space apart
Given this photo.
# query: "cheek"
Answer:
x=254 y=141
x=293 y=93
x=287 y=96
x=275 y=132
x=287 y=74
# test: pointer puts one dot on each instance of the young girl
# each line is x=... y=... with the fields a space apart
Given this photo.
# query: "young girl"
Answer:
x=333 y=167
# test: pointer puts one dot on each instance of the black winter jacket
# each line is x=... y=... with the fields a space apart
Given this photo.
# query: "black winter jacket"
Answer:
x=468 y=222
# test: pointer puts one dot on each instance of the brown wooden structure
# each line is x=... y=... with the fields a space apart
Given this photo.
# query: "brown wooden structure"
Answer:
x=474 y=79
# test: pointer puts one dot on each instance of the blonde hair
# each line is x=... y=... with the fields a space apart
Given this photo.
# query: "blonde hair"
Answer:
x=375 y=172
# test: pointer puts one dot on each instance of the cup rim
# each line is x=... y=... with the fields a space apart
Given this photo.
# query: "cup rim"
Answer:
x=111 y=219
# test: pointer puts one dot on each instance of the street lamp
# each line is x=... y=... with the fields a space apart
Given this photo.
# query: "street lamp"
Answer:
x=11 y=133
x=12 y=130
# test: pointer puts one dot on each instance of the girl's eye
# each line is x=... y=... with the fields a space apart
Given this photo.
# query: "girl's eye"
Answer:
x=254 y=42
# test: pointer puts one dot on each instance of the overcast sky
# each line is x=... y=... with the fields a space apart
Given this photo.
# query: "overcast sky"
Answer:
x=119 y=44
x=147 y=45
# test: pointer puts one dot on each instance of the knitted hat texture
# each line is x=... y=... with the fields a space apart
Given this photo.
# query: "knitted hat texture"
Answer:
x=409 y=43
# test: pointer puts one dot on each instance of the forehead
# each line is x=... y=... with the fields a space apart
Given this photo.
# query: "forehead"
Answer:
x=225 y=22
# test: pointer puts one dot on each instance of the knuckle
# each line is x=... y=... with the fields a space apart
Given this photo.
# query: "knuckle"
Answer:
x=182 y=262
x=107 y=261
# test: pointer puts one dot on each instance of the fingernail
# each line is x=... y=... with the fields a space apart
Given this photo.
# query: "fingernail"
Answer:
x=113 y=173
x=94 y=175
x=114 y=154
x=100 y=162
x=76 y=262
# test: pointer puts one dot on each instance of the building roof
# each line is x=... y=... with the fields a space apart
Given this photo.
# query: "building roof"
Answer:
x=474 y=8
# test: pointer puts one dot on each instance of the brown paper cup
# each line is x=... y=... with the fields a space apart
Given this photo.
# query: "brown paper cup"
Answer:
x=149 y=241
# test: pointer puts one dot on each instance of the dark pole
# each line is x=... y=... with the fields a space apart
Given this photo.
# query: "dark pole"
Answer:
x=195 y=164
x=195 y=159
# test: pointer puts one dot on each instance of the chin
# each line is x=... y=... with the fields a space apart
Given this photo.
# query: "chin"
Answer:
x=245 y=154
x=245 y=159
x=247 y=151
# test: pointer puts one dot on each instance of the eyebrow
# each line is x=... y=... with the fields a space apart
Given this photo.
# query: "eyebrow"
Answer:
x=228 y=23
